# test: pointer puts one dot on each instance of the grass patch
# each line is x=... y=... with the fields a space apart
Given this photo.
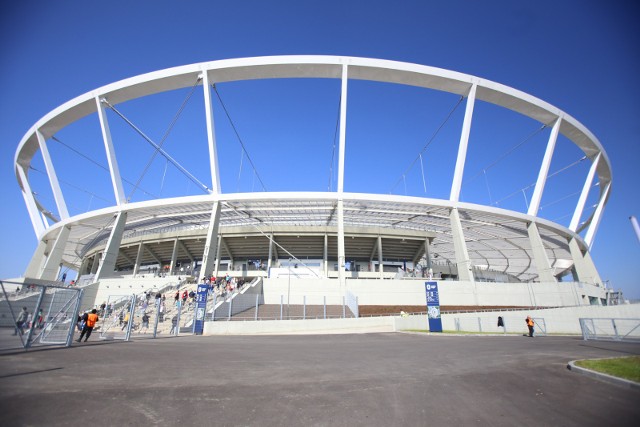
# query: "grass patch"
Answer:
x=622 y=367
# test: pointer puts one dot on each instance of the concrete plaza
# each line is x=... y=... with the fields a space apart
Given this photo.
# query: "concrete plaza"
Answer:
x=382 y=379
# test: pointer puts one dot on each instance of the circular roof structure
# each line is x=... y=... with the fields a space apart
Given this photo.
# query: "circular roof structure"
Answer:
x=494 y=238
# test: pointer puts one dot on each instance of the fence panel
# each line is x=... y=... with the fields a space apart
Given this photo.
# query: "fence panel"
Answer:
x=610 y=329
x=116 y=321
x=33 y=315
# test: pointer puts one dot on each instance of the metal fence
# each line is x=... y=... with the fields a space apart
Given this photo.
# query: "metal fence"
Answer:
x=33 y=315
x=610 y=329
x=508 y=325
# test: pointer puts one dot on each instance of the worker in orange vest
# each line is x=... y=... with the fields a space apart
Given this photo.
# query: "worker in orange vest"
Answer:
x=530 y=326
x=89 y=322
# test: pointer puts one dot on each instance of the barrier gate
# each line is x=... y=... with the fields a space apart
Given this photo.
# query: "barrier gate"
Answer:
x=36 y=314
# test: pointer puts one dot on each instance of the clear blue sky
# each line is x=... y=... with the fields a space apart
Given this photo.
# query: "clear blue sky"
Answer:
x=581 y=56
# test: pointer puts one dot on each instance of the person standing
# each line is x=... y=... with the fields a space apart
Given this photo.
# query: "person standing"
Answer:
x=20 y=321
x=145 y=323
x=40 y=320
x=89 y=324
x=125 y=321
x=530 y=324
x=174 y=324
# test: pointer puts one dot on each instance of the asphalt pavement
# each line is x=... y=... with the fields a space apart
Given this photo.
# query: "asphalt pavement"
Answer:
x=384 y=379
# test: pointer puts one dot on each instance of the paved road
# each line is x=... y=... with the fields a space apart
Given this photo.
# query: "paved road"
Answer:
x=327 y=380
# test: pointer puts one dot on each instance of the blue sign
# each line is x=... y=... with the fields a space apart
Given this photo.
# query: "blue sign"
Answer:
x=433 y=306
x=201 y=307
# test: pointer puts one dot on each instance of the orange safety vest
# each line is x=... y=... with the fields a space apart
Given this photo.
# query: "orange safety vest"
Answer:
x=92 y=318
x=529 y=321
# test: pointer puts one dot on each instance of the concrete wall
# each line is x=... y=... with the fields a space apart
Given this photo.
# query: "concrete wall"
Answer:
x=411 y=292
x=377 y=292
x=311 y=326
x=557 y=321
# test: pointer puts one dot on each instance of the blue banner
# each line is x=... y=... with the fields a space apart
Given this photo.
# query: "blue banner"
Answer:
x=433 y=306
x=201 y=306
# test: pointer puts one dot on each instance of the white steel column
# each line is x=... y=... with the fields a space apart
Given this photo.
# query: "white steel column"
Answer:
x=269 y=260
x=341 y=155
x=460 y=247
x=325 y=255
x=84 y=267
x=597 y=216
x=174 y=256
x=211 y=135
x=343 y=128
x=136 y=267
x=427 y=251
x=210 y=255
x=216 y=267
x=462 y=147
x=97 y=260
x=116 y=181
x=380 y=258
x=52 y=264
x=38 y=258
x=110 y=255
x=540 y=258
x=341 y=254
x=583 y=265
x=36 y=220
x=534 y=205
x=53 y=177
x=575 y=221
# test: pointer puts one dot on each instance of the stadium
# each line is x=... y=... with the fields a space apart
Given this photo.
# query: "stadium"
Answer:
x=307 y=247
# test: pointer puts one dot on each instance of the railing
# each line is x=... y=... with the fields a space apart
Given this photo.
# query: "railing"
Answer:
x=610 y=329
x=250 y=306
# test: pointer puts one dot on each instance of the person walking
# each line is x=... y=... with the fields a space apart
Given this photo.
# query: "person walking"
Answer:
x=89 y=324
x=530 y=324
x=21 y=320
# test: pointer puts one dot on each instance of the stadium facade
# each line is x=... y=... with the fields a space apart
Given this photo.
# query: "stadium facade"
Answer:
x=333 y=241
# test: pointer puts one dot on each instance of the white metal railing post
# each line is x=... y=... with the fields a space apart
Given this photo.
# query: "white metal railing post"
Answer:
x=176 y=331
x=132 y=312
x=155 y=324
x=230 y=302
x=324 y=306
x=281 y=306
x=72 y=324
x=34 y=318
x=304 y=307
x=257 y=304
x=479 y=325
x=357 y=308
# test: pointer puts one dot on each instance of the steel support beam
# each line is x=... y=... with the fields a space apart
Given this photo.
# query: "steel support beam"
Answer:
x=53 y=177
x=52 y=264
x=113 y=246
x=209 y=254
x=460 y=247
x=534 y=205
x=456 y=184
x=543 y=266
x=114 y=170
